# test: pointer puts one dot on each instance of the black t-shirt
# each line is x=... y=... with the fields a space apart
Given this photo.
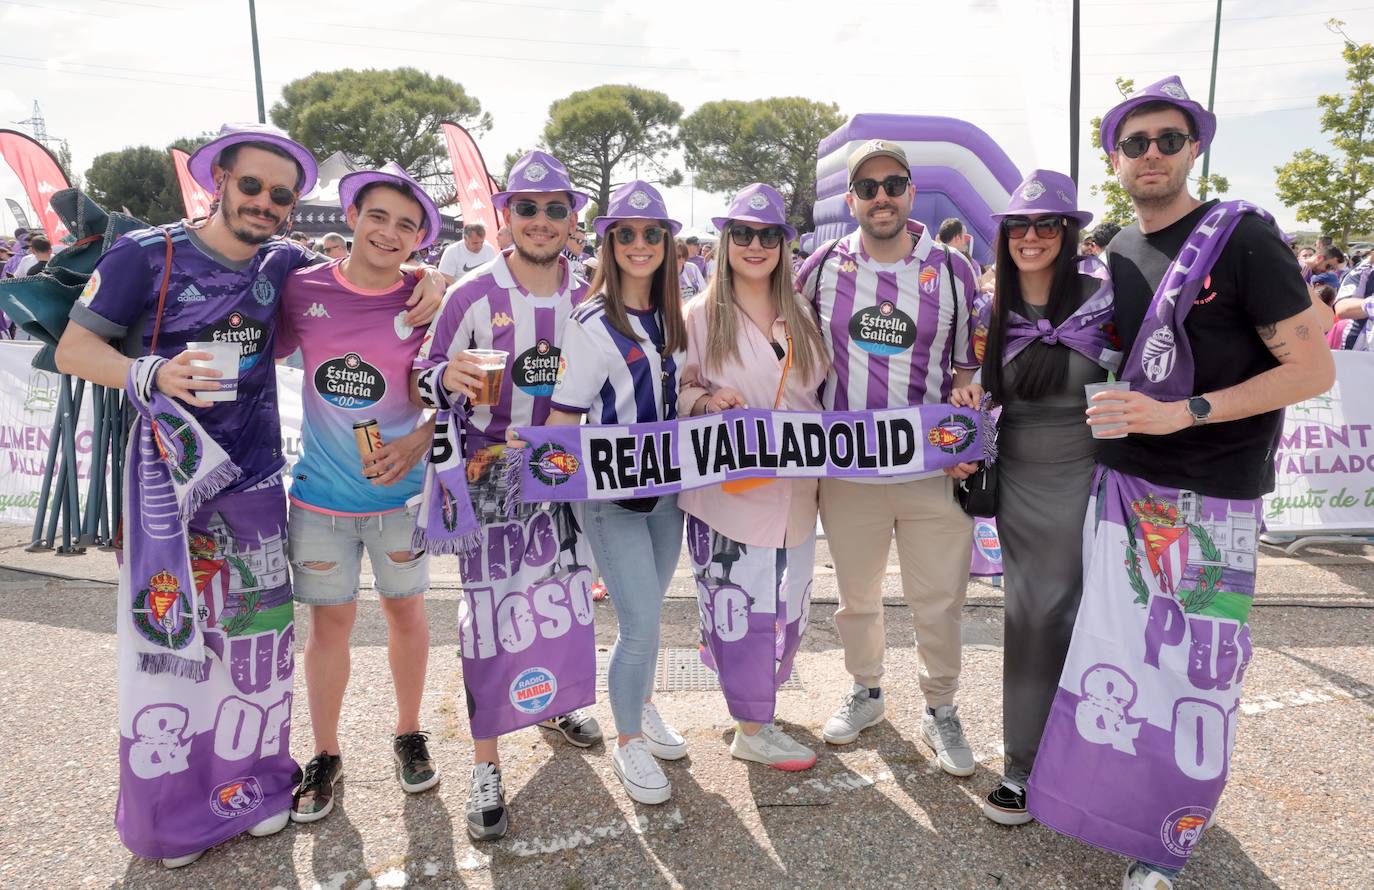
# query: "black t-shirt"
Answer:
x=1255 y=282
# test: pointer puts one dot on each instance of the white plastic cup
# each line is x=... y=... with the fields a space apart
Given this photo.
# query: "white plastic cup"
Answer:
x=226 y=361
x=1104 y=431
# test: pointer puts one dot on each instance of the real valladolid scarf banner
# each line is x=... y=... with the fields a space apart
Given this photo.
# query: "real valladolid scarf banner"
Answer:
x=577 y=463
x=1149 y=697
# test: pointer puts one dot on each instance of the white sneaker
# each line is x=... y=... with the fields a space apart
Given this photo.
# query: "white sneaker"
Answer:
x=1141 y=877
x=664 y=742
x=179 y=861
x=773 y=747
x=271 y=825
x=945 y=735
x=857 y=712
x=640 y=773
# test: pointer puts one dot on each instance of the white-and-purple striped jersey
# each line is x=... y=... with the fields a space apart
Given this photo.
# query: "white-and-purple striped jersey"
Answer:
x=490 y=310
x=612 y=378
x=896 y=330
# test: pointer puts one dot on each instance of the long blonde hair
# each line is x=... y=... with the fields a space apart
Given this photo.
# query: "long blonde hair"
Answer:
x=722 y=332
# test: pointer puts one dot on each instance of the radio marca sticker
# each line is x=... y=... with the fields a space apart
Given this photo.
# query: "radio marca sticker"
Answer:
x=883 y=329
x=533 y=689
x=347 y=381
x=536 y=369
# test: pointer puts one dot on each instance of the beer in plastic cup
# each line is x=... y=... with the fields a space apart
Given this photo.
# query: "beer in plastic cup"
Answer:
x=1104 y=431
x=226 y=361
x=493 y=365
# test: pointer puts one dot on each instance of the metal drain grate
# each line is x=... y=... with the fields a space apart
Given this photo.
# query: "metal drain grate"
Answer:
x=681 y=670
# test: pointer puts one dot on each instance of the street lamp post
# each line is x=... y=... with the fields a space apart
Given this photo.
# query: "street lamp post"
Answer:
x=257 y=60
x=1211 y=97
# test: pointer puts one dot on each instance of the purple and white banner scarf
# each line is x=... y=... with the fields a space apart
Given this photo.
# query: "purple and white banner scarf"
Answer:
x=754 y=604
x=172 y=468
x=1148 y=703
x=590 y=462
x=525 y=621
x=204 y=750
x=446 y=522
x=1161 y=360
x=1089 y=330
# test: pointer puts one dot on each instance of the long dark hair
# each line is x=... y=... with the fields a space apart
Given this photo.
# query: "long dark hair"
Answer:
x=1040 y=369
x=664 y=292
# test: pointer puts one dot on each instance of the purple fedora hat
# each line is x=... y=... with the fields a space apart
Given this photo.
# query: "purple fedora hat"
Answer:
x=758 y=203
x=1170 y=90
x=232 y=134
x=1045 y=191
x=352 y=183
x=539 y=171
x=635 y=199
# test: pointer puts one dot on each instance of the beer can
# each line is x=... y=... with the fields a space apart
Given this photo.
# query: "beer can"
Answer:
x=368 y=434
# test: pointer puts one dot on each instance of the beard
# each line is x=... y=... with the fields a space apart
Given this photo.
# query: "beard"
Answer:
x=234 y=220
x=1156 y=194
x=547 y=257
x=882 y=231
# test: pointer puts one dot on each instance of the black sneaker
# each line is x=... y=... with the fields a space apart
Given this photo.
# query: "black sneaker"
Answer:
x=578 y=727
x=314 y=796
x=486 y=804
x=1006 y=805
x=414 y=769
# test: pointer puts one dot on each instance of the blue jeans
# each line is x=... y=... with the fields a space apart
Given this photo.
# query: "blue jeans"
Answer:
x=636 y=553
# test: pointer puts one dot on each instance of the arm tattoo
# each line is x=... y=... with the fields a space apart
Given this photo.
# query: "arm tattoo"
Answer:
x=1302 y=332
x=1267 y=331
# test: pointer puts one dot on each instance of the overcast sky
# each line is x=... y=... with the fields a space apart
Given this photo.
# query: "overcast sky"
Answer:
x=116 y=73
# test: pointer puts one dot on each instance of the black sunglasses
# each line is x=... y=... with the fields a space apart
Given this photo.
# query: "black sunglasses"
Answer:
x=529 y=210
x=625 y=236
x=280 y=195
x=1169 y=144
x=743 y=236
x=867 y=189
x=1046 y=227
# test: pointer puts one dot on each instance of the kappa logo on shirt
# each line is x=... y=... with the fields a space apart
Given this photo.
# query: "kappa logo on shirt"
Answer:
x=501 y=320
x=191 y=294
x=316 y=310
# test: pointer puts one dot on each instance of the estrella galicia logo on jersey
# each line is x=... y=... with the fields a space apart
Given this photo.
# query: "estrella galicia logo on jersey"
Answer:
x=883 y=329
x=236 y=797
x=264 y=291
x=536 y=370
x=552 y=464
x=349 y=382
x=533 y=689
x=953 y=434
x=244 y=330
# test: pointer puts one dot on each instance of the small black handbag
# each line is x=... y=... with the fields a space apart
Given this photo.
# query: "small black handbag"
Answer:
x=978 y=493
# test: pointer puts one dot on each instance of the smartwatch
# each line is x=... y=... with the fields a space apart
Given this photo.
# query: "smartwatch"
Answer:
x=1200 y=408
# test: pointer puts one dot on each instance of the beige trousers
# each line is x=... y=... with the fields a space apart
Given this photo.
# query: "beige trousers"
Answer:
x=934 y=545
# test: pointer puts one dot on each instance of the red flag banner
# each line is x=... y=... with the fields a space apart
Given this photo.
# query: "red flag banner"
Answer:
x=196 y=199
x=40 y=175
x=471 y=177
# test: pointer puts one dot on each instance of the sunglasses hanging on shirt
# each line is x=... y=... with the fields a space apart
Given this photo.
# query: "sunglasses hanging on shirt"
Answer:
x=1169 y=144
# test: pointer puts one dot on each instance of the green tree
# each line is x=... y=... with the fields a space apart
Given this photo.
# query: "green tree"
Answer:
x=142 y=179
x=1119 y=208
x=611 y=128
x=1334 y=190
x=378 y=116
x=730 y=144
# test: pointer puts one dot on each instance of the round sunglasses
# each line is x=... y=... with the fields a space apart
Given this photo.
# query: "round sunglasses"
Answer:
x=252 y=186
x=625 y=236
x=1169 y=144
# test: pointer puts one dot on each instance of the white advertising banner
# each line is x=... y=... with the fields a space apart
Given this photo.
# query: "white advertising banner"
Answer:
x=28 y=406
x=1325 y=458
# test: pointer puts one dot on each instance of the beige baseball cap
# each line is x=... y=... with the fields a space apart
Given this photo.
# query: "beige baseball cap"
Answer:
x=876 y=148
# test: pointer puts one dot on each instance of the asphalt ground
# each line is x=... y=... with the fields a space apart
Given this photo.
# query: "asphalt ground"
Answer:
x=877 y=813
